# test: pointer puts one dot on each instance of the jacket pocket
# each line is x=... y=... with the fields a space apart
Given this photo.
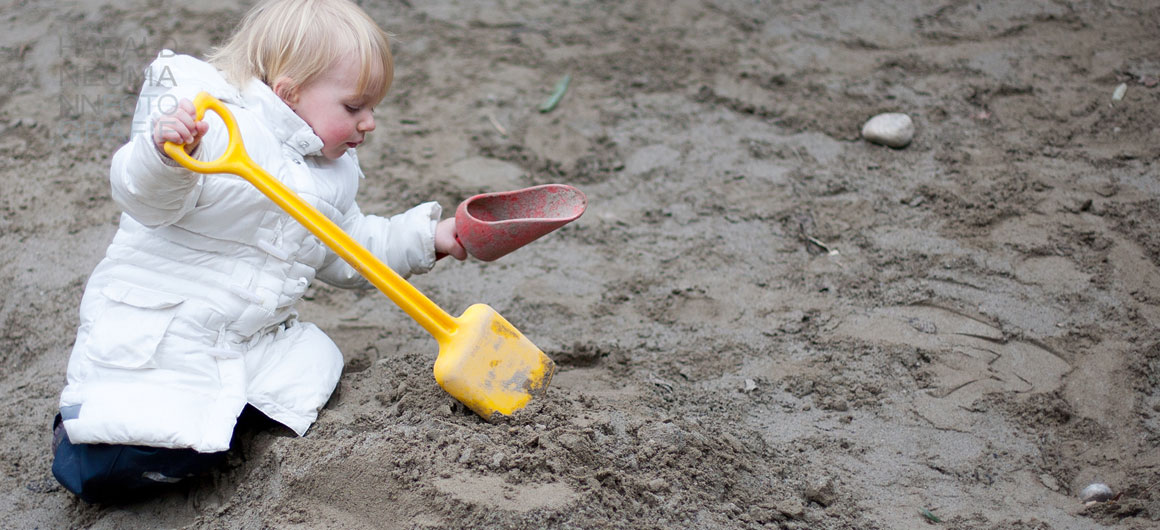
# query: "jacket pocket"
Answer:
x=130 y=325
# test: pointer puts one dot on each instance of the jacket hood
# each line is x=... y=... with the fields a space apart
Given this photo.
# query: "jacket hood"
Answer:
x=172 y=77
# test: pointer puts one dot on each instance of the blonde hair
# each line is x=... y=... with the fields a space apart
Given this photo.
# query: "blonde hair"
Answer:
x=301 y=39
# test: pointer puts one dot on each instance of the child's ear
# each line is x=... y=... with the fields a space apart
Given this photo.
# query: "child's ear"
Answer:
x=287 y=90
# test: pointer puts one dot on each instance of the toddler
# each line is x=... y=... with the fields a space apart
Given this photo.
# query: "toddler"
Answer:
x=190 y=317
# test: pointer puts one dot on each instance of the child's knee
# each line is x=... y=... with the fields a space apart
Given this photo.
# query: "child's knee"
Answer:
x=100 y=473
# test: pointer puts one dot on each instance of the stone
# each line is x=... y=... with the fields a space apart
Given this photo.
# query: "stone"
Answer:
x=821 y=490
x=1097 y=492
x=891 y=129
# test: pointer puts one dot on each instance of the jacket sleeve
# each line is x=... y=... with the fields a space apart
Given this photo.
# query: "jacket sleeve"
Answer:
x=405 y=242
x=151 y=187
x=148 y=188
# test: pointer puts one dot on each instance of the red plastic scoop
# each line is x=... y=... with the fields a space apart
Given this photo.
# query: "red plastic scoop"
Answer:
x=493 y=224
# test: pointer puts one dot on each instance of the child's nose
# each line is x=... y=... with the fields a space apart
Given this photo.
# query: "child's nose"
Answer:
x=367 y=124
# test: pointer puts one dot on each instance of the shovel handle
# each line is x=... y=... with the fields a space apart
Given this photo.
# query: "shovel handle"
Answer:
x=235 y=160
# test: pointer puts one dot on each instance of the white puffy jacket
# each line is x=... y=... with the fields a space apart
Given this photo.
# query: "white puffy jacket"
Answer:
x=190 y=316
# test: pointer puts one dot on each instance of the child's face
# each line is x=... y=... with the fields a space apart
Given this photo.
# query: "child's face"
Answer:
x=333 y=107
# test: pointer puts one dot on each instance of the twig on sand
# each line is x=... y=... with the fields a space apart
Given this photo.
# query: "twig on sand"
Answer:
x=825 y=248
x=652 y=378
x=495 y=123
x=805 y=224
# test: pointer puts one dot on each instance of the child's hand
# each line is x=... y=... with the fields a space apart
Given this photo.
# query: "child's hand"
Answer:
x=446 y=242
x=180 y=127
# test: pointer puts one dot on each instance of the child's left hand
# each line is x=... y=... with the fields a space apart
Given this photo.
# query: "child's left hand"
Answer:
x=179 y=126
x=446 y=242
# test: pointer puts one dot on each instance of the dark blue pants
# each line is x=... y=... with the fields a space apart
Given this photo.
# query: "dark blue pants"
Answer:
x=103 y=473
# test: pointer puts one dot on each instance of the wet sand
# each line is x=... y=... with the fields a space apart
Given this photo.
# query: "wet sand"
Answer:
x=762 y=321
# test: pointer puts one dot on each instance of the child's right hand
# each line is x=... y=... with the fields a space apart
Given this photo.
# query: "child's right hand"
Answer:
x=447 y=240
x=180 y=127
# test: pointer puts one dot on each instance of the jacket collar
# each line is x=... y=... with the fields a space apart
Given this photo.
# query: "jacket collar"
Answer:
x=287 y=126
x=171 y=70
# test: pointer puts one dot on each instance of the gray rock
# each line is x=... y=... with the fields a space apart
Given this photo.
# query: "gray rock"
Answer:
x=891 y=129
x=821 y=490
x=1097 y=492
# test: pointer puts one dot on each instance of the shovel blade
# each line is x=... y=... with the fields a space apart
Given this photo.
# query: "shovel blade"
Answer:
x=489 y=366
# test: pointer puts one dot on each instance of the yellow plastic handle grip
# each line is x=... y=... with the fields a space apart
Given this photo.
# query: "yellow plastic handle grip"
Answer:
x=233 y=160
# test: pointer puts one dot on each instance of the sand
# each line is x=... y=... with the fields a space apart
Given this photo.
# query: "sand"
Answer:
x=762 y=321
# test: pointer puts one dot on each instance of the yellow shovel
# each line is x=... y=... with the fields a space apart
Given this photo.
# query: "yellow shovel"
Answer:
x=484 y=362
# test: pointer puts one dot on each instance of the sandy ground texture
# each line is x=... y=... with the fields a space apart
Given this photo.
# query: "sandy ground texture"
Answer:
x=762 y=321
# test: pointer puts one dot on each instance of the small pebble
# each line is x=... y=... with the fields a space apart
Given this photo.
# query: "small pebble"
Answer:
x=1098 y=492
x=891 y=129
x=821 y=490
x=1119 y=92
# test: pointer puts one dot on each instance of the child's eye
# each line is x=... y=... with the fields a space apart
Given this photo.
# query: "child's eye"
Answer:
x=352 y=108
